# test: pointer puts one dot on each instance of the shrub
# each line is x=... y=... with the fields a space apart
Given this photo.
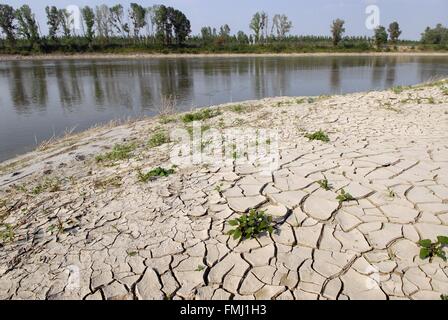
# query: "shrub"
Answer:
x=158 y=139
x=344 y=197
x=251 y=225
x=200 y=115
x=157 y=172
x=118 y=153
x=318 y=135
x=431 y=250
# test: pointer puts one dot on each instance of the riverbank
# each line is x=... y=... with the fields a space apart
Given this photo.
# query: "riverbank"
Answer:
x=82 y=218
x=88 y=56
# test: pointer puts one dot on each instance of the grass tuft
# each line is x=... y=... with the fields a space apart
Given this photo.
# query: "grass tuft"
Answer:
x=119 y=152
x=318 y=135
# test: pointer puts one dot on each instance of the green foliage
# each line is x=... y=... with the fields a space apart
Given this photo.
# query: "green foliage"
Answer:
x=238 y=108
x=380 y=36
x=251 y=225
x=200 y=268
x=344 y=197
x=337 y=30
x=154 y=173
x=431 y=249
x=200 y=115
x=318 y=135
x=28 y=27
x=158 y=139
x=89 y=19
x=397 y=89
x=7 y=22
x=324 y=184
x=435 y=36
x=394 y=32
x=444 y=297
x=119 y=152
x=7 y=233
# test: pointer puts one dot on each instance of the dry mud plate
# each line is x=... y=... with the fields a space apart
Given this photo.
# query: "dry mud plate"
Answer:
x=76 y=228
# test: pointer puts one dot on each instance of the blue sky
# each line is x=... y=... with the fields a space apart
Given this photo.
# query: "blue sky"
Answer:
x=308 y=16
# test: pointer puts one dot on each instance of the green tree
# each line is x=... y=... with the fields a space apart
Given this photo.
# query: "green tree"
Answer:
x=337 y=30
x=163 y=26
x=65 y=22
x=394 y=32
x=89 y=19
x=181 y=25
x=224 y=31
x=256 y=25
x=380 y=37
x=52 y=21
x=117 y=20
x=7 y=22
x=27 y=23
x=103 y=25
x=437 y=35
x=242 y=38
x=137 y=14
x=281 y=25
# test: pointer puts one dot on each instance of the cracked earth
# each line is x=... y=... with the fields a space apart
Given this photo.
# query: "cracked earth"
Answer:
x=102 y=234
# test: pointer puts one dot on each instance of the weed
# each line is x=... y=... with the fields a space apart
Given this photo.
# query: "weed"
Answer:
x=58 y=227
x=132 y=253
x=49 y=185
x=7 y=233
x=251 y=225
x=344 y=197
x=431 y=100
x=444 y=297
x=200 y=268
x=431 y=249
x=158 y=139
x=119 y=152
x=397 y=89
x=391 y=193
x=324 y=184
x=311 y=100
x=318 y=135
x=154 y=173
x=200 y=115
x=238 y=108
x=167 y=119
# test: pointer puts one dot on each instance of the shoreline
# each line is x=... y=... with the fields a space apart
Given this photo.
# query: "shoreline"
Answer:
x=118 y=56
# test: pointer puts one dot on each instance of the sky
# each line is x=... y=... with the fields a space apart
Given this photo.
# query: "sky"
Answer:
x=308 y=16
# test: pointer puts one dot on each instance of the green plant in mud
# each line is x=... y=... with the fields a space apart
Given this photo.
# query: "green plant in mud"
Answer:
x=48 y=185
x=324 y=184
x=119 y=152
x=157 y=139
x=7 y=233
x=200 y=268
x=344 y=197
x=251 y=225
x=154 y=173
x=429 y=249
x=200 y=115
x=237 y=108
x=318 y=135
x=398 y=89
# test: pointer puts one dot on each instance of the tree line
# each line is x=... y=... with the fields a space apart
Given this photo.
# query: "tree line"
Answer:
x=161 y=27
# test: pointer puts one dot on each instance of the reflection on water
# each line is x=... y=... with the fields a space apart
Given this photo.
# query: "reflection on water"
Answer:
x=39 y=99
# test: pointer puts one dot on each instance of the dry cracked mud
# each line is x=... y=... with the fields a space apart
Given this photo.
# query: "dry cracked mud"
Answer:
x=75 y=228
